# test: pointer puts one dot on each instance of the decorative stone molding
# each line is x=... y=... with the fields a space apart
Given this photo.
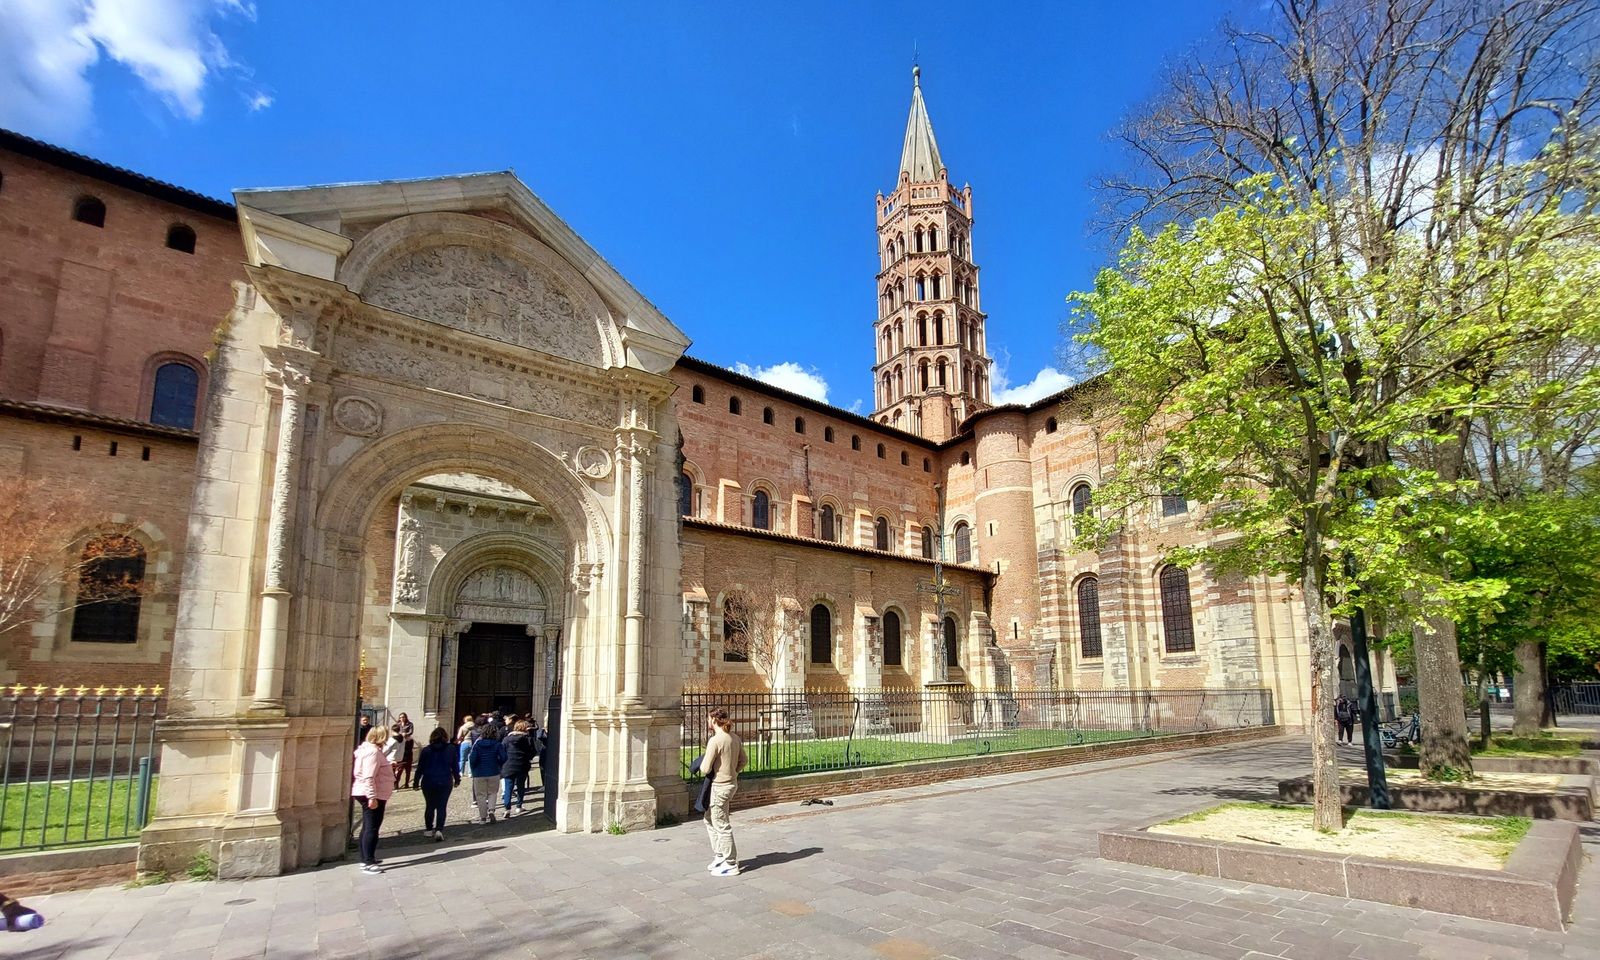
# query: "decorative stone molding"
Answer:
x=407 y=578
x=358 y=416
x=592 y=463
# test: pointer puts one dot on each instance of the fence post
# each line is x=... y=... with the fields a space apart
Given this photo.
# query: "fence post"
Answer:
x=143 y=805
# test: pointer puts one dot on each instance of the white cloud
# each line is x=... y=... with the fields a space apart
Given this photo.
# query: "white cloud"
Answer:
x=1047 y=381
x=258 y=101
x=47 y=48
x=789 y=376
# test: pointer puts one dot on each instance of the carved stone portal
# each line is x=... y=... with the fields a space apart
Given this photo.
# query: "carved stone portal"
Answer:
x=500 y=594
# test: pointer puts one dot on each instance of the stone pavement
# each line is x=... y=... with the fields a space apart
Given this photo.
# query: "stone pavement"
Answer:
x=994 y=868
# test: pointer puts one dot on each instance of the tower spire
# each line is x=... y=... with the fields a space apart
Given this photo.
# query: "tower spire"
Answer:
x=919 y=158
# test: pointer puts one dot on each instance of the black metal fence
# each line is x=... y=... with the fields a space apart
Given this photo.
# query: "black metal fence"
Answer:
x=1577 y=697
x=805 y=730
x=76 y=769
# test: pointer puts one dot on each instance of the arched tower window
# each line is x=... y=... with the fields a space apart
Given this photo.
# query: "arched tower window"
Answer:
x=685 y=495
x=952 y=643
x=922 y=330
x=943 y=367
x=880 y=534
x=1177 y=617
x=933 y=238
x=922 y=374
x=828 y=523
x=1082 y=499
x=918 y=235
x=938 y=328
x=110 y=580
x=927 y=541
x=176 y=395
x=1089 y=617
x=90 y=210
x=938 y=286
x=761 y=511
x=821 y=634
x=922 y=288
x=963 y=542
x=180 y=237
x=892 y=655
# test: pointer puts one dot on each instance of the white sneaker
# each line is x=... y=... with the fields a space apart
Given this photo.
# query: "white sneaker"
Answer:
x=713 y=865
x=371 y=868
x=726 y=870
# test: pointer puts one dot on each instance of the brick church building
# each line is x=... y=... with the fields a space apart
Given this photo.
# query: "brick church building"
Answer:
x=417 y=441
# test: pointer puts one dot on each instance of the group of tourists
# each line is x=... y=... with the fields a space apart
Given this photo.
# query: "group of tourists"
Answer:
x=496 y=751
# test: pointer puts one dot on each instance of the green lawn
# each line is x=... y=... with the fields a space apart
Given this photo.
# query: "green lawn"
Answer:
x=1543 y=745
x=97 y=806
x=803 y=756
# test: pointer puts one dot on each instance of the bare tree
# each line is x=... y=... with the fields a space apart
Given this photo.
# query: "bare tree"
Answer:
x=755 y=630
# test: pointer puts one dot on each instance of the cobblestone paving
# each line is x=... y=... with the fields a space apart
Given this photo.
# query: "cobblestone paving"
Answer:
x=1001 y=867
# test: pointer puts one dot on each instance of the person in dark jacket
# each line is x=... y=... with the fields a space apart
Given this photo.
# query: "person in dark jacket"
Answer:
x=1344 y=714
x=484 y=758
x=437 y=775
x=520 y=751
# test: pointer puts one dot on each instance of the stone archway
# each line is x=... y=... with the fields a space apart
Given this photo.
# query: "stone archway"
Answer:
x=501 y=349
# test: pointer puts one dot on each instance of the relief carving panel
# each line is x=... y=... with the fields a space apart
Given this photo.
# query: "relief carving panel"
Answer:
x=486 y=293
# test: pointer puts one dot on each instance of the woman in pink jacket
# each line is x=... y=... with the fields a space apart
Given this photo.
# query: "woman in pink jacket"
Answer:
x=371 y=785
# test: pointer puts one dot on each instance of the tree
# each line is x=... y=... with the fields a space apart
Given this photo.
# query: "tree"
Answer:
x=756 y=629
x=1402 y=129
x=54 y=558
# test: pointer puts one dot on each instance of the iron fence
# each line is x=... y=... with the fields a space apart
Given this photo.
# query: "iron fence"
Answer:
x=76 y=769
x=801 y=731
x=1576 y=697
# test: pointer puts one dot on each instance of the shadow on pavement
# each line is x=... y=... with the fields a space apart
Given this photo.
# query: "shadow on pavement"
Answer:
x=443 y=856
x=773 y=859
x=1239 y=788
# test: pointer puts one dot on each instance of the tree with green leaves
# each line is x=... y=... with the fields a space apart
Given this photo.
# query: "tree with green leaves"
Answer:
x=1392 y=181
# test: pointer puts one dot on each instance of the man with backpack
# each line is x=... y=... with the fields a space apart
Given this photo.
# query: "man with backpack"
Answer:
x=1344 y=714
x=482 y=760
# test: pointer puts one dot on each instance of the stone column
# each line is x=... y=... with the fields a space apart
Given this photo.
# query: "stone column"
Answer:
x=293 y=368
x=639 y=460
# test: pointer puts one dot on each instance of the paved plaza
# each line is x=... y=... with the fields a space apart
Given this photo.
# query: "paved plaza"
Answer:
x=992 y=868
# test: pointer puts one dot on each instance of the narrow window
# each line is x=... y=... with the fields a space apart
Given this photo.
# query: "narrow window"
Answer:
x=922 y=331
x=922 y=288
x=77 y=442
x=145 y=455
x=799 y=424
x=1177 y=619
x=827 y=434
x=927 y=465
x=942 y=368
x=1082 y=499
x=113 y=448
x=827 y=523
x=905 y=459
x=761 y=511
x=1050 y=425
x=735 y=632
x=880 y=534
x=733 y=405
x=952 y=643
x=821 y=635
x=89 y=210
x=891 y=639
x=685 y=495
x=927 y=544
x=933 y=238
x=177 y=388
x=698 y=394
x=855 y=441
x=963 y=543
x=110 y=579
x=1089 y=617
x=966 y=458
x=766 y=416
x=180 y=237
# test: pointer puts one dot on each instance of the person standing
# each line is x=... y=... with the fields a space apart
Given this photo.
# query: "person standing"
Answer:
x=363 y=727
x=484 y=758
x=464 y=732
x=514 y=773
x=372 y=783
x=403 y=731
x=437 y=775
x=724 y=760
x=1344 y=714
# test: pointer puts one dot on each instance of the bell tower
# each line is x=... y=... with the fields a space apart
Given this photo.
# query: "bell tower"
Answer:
x=932 y=368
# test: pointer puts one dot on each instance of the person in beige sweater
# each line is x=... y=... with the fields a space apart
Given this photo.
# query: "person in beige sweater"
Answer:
x=724 y=760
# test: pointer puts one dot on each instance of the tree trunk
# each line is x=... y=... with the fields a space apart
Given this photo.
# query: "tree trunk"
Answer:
x=1328 y=815
x=1528 y=704
x=1443 y=705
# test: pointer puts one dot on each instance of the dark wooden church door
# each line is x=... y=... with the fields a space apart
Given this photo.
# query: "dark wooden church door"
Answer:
x=495 y=669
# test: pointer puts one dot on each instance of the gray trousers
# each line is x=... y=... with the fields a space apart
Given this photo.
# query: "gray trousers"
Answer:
x=718 y=827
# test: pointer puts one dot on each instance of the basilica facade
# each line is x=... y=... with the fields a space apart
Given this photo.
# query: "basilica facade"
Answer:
x=417 y=445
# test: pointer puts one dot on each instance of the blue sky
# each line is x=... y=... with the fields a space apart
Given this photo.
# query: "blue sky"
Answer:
x=724 y=157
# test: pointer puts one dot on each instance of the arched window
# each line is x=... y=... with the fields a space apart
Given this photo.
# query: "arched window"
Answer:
x=735 y=631
x=821 y=634
x=1082 y=499
x=881 y=451
x=1177 y=618
x=698 y=394
x=880 y=534
x=938 y=286
x=799 y=424
x=761 y=511
x=905 y=459
x=918 y=235
x=90 y=210
x=922 y=288
x=952 y=643
x=827 y=434
x=922 y=331
x=766 y=416
x=685 y=495
x=1089 y=617
x=927 y=543
x=922 y=374
x=1050 y=425
x=943 y=365
x=110 y=580
x=176 y=394
x=828 y=523
x=963 y=542
x=855 y=441
x=892 y=657
x=938 y=328
x=966 y=458
x=927 y=465
x=180 y=237
x=733 y=405
x=933 y=238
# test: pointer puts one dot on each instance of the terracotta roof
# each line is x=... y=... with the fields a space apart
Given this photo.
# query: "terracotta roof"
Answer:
x=49 y=413
x=117 y=176
x=734 y=528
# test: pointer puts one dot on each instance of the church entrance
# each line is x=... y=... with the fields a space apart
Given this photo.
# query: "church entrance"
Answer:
x=496 y=671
